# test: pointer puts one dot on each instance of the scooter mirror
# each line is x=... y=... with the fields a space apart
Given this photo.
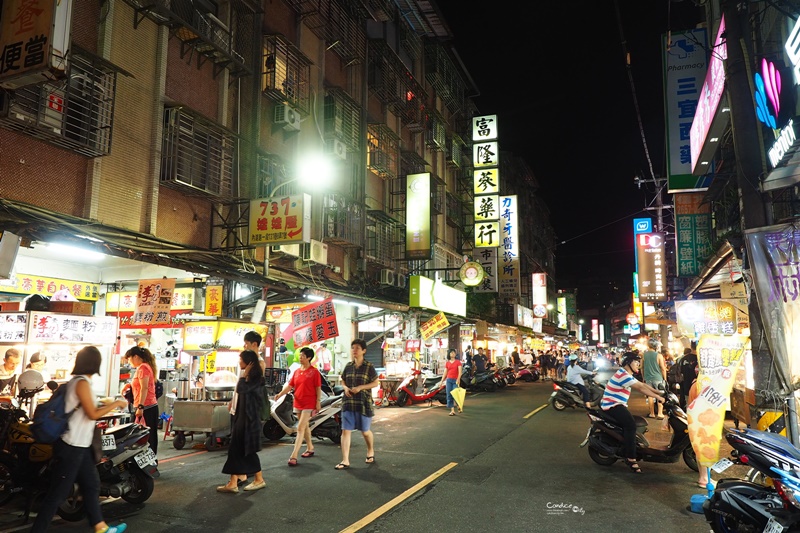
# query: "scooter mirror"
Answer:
x=52 y=385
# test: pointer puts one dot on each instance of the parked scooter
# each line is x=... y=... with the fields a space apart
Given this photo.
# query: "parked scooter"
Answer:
x=416 y=388
x=326 y=423
x=529 y=373
x=566 y=394
x=739 y=505
x=605 y=438
x=127 y=468
x=509 y=375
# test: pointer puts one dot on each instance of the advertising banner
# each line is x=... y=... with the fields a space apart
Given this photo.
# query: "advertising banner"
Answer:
x=561 y=307
x=280 y=220
x=684 y=63
x=775 y=265
x=154 y=301
x=433 y=326
x=213 y=300
x=692 y=233
x=508 y=283
x=486 y=182
x=314 y=322
x=418 y=216
x=700 y=317
x=50 y=328
x=27 y=284
x=429 y=294
x=182 y=299
x=719 y=358
x=652 y=275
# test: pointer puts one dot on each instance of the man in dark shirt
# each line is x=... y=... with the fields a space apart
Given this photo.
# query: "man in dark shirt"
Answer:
x=480 y=361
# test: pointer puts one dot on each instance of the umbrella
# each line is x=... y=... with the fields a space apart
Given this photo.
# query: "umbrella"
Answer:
x=458 y=395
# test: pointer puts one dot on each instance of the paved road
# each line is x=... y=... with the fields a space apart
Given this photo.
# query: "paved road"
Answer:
x=487 y=469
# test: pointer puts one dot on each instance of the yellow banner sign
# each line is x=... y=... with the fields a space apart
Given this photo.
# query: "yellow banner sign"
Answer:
x=433 y=326
x=213 y=300
x=719 y=358
x=281 y=313
x=280 y=220
x=27 y=284
x=117 y=302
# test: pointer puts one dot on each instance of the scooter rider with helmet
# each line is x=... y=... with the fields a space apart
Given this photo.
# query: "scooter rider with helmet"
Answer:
x=615 y=403
x=574 y=373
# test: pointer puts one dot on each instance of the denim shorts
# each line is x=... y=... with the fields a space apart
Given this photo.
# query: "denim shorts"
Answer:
x=352 y=420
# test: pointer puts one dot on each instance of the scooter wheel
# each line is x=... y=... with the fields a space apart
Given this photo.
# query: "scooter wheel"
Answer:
x=72 y=509
x=273 y=431
x=142 y=488
x=402 y=398
x=690 y=458
x=558 y=405
x=8 y=467
x=211 y=443
x=528 y=378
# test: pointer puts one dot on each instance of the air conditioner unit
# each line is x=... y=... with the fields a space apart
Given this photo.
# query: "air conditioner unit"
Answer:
x=387 y=276
x=288 y=249
x=316 y=252
x=401 y=281
x=336 y=148
x=288 y=117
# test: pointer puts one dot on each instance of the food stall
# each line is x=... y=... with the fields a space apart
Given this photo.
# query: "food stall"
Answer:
x=58 y=337
x=209 y=369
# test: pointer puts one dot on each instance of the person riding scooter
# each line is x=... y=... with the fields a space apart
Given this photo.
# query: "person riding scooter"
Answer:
x=615 y=403
x=574 y=373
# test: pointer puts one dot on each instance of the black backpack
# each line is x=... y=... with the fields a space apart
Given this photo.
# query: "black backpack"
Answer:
x=159 y=389
x=674 y=373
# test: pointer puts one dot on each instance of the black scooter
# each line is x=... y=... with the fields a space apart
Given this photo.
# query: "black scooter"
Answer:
x=566 y=394
x=605 y=438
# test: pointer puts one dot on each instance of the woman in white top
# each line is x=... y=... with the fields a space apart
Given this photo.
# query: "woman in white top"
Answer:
x=74 y=460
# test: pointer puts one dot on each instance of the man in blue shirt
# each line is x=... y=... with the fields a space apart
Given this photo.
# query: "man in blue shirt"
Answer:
x=480 y=361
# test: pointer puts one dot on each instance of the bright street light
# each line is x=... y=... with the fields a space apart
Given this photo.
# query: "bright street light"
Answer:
x=312 y=171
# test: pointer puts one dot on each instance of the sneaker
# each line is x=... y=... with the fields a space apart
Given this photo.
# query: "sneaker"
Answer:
x=119 y=528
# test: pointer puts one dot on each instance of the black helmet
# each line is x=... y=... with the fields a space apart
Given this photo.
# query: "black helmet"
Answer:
x=629 y=357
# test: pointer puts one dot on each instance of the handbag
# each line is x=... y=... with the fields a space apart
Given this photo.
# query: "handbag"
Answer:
x=97 y=445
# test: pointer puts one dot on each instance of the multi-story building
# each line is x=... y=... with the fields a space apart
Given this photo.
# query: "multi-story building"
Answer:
x=166 y=118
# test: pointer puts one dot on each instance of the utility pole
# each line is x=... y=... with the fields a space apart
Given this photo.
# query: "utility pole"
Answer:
x=749 y=167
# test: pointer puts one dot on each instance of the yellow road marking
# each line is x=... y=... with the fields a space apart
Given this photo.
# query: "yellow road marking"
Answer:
x=534 y=411
x=396 y=501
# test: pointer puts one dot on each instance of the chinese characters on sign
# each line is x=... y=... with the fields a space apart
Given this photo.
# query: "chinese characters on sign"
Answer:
x=413 y=345
x=652 y=275
x=314 y=322
x=433 y=326
x=699 y=317
x=13 y=327
x=280 y=220
x=27 y=284
x=486 y=182
x=692 y=232
x=25 y=32
x=213 y=300
x=508 y=282
x=154 y=301
x=487 y=257
x=418 y=216
x=539 y=294
x=46 y=327
x=684 y=63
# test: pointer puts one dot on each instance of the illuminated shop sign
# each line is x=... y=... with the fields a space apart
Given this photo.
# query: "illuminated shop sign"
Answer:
x=652 y=274
x=486 y=182
x=418 y=216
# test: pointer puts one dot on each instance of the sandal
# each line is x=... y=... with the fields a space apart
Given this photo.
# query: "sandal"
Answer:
x=370 y=459
x=341 y=466
x=634 y=466
x=452 y=414
x=292 y=461
x=307 y=453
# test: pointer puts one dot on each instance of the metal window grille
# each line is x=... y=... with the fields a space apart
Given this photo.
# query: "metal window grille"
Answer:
x=75 y=113
x=197 y=155
x=382 y=144
x=338 y=23
x=455 y=154
x=454 y=211
x=271 y=172
x=286 y=72
x=381 y=240
x=442 y=74
x=343 y=118
x=437 y=196
x=435 y=136
x=341 y=221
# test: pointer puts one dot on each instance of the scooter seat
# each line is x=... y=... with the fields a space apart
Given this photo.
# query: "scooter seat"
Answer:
x=329 y=400
x=640 y=421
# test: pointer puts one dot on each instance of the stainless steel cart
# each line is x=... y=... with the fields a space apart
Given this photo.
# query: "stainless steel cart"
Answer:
x=209 y=418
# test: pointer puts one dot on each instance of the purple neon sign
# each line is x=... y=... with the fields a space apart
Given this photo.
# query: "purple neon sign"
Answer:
x=710 y=95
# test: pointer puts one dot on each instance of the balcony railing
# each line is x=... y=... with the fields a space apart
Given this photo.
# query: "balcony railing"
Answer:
x=343 y=118
x=443 y=76
x=338 y=23
x=196 y=24
x=381 y=239
x=454 y=213
x=286 y=73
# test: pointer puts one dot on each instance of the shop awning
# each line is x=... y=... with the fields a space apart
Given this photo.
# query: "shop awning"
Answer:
x=723 y=266
x=784 y=176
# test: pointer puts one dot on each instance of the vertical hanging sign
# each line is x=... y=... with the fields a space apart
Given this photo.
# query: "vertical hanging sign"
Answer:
x=486 y=181
x=508 y=283
x=418 y=216
x=153 y=302
x=487 y=257
x=692 y=233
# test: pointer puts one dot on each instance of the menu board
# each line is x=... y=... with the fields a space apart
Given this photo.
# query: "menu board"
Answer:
x=57 y=328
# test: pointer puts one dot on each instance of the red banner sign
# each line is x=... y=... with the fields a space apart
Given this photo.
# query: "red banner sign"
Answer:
x=314 y=322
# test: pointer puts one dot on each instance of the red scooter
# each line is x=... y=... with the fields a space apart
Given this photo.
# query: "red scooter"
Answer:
x=417 y=388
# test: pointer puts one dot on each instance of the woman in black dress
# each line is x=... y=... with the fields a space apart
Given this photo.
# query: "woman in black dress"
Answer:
x=246 y=432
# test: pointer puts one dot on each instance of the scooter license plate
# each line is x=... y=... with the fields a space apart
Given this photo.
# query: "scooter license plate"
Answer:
x=108 y=442
x=721 y=465
x=554 y=394
x=145 y=458
x=773 y=526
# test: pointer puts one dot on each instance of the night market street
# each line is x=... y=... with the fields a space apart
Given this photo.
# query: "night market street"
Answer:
x=497 y=471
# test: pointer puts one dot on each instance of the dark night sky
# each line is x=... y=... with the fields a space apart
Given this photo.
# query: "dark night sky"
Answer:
x=554 y=73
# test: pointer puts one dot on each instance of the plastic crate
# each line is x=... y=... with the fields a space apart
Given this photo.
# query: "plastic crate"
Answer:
x=275 y=379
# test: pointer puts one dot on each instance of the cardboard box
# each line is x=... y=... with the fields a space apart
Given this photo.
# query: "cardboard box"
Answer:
x=72 y=308
x=10 y=306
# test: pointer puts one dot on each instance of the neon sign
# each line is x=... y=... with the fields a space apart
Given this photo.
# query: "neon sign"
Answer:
x=768 y=88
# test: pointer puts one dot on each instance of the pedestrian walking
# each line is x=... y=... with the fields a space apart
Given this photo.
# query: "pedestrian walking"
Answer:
x=655 y=375
x=359 y=377
x=74 y=459
x=144 y=392
x=307 y=384
x=451 y=379
x=245 y=444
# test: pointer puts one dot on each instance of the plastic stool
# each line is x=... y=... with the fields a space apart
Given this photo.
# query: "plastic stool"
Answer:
x=167 y=424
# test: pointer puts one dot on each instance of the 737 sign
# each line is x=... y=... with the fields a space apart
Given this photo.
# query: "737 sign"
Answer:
x=280 y=220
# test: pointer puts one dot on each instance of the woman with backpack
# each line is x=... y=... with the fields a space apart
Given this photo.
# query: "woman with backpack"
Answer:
x=144 y=392
x=74 y=459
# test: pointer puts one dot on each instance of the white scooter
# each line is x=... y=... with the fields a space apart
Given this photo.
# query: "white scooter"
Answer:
x=326 y=423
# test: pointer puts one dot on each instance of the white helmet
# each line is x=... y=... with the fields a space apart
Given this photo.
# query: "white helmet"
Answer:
x=30 y=380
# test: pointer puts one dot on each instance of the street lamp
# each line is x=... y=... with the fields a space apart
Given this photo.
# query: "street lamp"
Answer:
x=312 y=170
